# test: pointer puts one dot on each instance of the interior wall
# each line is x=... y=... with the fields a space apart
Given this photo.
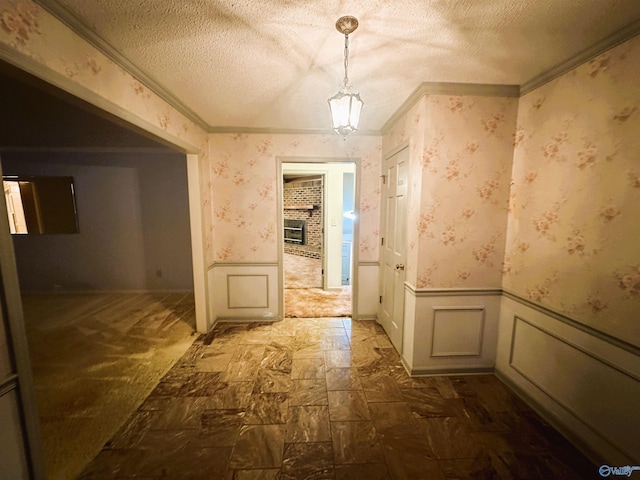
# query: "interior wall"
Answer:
x=460 y=162
x=573 y=228
x=244 y=186
x=569 y=337
x=133 y=218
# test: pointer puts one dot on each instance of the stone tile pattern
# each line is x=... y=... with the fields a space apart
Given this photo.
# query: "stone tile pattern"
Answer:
x=327 y=399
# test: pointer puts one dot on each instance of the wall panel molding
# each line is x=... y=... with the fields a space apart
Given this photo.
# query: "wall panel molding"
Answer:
x=457 y=331
x=584 y=385
x=247 y=291
x=572 y=322
x=243 y=292
x=450 y=330
x=440 y=292
x=490 y=291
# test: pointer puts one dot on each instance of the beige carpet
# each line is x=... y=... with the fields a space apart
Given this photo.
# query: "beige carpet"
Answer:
x=95 y=358
x=303 y=295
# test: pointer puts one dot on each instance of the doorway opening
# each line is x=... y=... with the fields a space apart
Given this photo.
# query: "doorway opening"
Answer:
x=103 y=314
x=318 y=236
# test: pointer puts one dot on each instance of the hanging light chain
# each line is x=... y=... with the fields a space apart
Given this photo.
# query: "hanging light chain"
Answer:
x=346 y=59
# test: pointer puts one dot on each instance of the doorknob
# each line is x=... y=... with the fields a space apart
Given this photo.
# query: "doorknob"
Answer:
x=399 y=266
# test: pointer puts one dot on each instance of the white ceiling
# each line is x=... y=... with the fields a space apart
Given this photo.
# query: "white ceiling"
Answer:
x=272 y=64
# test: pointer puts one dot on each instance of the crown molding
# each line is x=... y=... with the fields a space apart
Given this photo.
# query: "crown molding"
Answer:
x=449 y=88
x=288 y=131
x=621 y=36
x=427 y=88
x=91 y=150
x=77 y=25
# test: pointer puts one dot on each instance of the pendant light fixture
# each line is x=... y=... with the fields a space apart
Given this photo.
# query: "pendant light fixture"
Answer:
x=345 y=106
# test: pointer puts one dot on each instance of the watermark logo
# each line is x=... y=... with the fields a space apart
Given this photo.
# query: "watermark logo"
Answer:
x=625 y=471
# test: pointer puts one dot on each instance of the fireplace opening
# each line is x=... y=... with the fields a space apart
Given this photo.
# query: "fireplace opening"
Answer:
x=295 y=232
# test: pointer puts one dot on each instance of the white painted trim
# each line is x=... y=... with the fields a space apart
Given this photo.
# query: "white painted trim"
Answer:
x=621 y=36
x=280 y=160
x=442 y=292
x=203 y=323
x=563 y=390
x=288 y=131
x=219 y=301
x=230 y=301
x=465 y=308
x=20 y=375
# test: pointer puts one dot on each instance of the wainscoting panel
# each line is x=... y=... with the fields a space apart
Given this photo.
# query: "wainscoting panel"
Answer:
x=457 y=331
x=248 y=291
x=450 y=331
x=240 y=291
x=583 y=383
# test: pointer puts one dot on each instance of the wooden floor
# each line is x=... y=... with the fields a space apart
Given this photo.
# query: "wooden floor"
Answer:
x=95 y=358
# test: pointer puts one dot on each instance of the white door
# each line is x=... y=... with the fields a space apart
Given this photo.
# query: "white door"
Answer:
x=20 y=449
x=396 y=171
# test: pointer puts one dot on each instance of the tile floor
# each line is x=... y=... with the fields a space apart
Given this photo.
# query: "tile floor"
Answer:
x=327 y=399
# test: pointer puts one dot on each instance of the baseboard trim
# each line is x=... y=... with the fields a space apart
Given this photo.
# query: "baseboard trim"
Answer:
x=101 y=292
x=247 y=319
x=366 y=318
x=551 y=419
x=431 y=372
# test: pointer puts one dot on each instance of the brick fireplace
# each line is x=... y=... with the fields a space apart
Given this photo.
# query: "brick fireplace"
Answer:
x=303 y=202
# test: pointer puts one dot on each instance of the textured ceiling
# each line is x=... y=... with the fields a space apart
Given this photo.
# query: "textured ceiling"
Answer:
x=272 y=64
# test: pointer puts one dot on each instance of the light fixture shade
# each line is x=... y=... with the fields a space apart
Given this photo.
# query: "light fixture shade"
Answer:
x=345 y=111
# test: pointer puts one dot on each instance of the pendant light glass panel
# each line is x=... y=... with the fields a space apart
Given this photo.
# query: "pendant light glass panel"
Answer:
x=345 y=112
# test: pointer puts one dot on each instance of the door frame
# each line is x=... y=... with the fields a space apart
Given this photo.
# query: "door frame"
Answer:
x=21 y=379
x=280 y=160
x=383 y=207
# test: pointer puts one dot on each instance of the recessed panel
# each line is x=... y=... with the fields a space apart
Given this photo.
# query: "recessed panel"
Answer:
x=594 y=390
x=248 y=291
x=457 y=332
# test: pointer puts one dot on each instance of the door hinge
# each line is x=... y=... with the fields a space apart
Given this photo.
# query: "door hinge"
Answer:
x=380 y=298
x=381 y=240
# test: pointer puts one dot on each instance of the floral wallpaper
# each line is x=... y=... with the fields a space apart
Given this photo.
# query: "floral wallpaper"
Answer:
x=52 y=50
x=50 y=46
x=539 y=195
x=574 y=236
x=243 y=186
x=460 y=174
